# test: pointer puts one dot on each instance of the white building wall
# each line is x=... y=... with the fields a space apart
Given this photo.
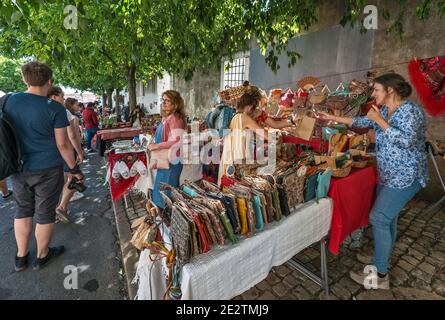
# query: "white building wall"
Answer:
x=150 y=100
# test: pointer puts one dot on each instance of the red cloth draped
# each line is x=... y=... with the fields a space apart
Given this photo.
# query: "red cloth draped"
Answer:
x=353 y=198
x=122 y=186
x=428 y=77
x=318 y=145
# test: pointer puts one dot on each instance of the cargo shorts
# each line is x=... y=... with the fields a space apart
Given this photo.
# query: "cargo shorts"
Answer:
x=37 y=194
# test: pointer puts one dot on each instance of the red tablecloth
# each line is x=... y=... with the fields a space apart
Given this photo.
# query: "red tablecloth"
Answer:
x=353 y=197
x=122 y=186
x=110 y=134
x=318 y=145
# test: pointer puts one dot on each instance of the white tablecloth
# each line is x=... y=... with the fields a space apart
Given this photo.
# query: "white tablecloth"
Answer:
x=228 y=271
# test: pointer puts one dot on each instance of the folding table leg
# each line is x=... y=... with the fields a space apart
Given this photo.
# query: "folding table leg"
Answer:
x=324 y=267
x=126 y=203
x=438 y=203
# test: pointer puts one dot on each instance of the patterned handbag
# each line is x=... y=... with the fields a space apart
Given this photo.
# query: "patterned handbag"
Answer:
x=228 y=208
x=206 y=221
x=275 y=197
x=251 y=218
x=181 y=232
x=293 y=186
x=203 y=243
x=300 y=99
x=217 y=226
x=319 y=98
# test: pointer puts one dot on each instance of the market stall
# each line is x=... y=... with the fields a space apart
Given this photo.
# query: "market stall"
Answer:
x=205 y=244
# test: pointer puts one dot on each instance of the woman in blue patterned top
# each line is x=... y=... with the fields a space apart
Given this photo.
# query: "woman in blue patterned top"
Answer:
x=400 y=127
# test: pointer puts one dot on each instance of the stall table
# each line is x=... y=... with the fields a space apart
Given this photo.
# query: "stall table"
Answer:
x=111 y=134
x=228 y=271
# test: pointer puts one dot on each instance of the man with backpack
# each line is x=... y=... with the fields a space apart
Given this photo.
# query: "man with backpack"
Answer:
x=34 y=130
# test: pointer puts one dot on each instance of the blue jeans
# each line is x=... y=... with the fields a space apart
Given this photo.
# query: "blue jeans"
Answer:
x=383 y=217
x=89 y=134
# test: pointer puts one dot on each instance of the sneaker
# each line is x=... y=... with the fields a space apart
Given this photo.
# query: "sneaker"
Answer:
x=21 y=263
x=52 y=254
x=361 y=278
x=62 y=215
x=77 y=196
x=365 y=258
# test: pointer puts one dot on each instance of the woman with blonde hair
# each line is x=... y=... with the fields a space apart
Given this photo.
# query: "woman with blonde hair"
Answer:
x=168 y=134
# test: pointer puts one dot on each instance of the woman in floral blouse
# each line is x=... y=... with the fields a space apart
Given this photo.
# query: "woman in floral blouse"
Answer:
x=400 y=127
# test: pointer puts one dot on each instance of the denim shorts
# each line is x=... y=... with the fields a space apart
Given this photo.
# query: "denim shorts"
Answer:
x=37 y=194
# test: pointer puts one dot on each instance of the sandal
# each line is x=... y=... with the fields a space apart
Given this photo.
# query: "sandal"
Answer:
x=8 y=195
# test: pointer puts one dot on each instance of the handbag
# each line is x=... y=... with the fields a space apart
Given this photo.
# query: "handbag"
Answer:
x=277 y=212
x=256 y=201
x=242 y=209
x=203 y=242
x=217 y=226
x=310 y=187
x=324 y=181
x=357 y=88
x=144 y=235
x=159 y=159
x=300 y=99
x=338 y=143
x=250 y=217
x=319 y=98
x=181 y=232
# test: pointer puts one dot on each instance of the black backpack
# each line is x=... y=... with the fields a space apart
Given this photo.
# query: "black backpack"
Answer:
x=10 y=153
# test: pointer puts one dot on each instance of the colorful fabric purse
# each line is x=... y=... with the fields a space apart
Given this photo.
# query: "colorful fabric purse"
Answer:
x=310 y=188
x=324 y=181
x=300 y=99
x=242 y=209
x=319 y=98
x=256 y=201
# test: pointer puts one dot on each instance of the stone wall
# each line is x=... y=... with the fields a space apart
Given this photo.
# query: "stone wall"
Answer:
x=199 y=93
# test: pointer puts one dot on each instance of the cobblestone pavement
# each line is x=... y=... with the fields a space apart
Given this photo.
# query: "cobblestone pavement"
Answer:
x=417 y=266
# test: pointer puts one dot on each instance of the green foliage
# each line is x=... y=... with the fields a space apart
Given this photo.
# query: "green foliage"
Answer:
x=10 y=75
x=120 y=41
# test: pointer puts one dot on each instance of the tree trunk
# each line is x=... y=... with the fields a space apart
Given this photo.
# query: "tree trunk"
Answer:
x=118 y=104
x=104 y=99
x=131 y=77
x=110 y=98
